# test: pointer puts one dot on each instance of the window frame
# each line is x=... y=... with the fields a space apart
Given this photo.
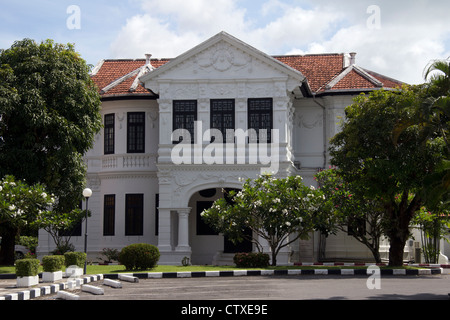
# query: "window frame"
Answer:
x=134 y=214
x=109 y=134
x=135 y=133
x=260 y=112
x=109 y=214
x=215 y=103
x=177 y=111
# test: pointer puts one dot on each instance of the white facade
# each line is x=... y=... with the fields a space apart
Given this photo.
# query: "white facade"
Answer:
x=221 y=68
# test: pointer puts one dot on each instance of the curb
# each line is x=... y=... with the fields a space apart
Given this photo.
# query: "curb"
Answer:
x=54 y=288
x=366 y=264
x=45 y=290
x=235 y=273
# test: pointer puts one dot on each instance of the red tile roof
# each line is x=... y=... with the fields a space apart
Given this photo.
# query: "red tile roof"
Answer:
x=324 y=72
x=319 y=69
x=113 y=70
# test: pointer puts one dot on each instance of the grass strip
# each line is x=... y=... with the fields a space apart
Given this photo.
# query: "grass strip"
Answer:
x=105 y=269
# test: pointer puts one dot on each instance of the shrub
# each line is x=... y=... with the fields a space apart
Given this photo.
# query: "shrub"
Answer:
x=75 y=259
x=29 y=242
x=53 y=263
x=139 y=256
x=251 y=260
x=110 y=254
x=27 y=267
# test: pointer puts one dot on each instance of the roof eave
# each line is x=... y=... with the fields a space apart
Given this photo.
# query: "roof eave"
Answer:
x=129 y=96
x=350 y=91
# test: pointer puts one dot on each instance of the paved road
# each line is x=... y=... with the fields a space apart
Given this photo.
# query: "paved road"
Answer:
x=255 y=297
x=303 y=287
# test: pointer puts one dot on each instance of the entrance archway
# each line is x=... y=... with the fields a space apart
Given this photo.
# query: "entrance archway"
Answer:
x=205 y=242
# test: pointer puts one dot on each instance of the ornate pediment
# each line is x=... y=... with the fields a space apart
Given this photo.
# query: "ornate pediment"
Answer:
x=222 y=57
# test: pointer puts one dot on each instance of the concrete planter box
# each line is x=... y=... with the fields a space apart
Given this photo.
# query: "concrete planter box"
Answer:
x=74 y=272
x=52 y=276
x=24 y=282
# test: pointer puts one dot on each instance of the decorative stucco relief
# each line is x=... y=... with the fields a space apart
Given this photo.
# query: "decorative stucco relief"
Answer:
x=309 y=121
x=153 y=116
x=187 y=182
x=121 y=116
x=222 y=57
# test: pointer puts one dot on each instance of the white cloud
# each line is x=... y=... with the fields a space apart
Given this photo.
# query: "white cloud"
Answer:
x=173 y=26
x=390 y=50
x=146 y=34
x=295 y=27
x=169 y=28
x=410 y=34
x=200 y=16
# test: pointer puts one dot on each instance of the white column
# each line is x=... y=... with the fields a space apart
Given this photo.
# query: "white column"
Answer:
x=165 y=226
x=183 y=229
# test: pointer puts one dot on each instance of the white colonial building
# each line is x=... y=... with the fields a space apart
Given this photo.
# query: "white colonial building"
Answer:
x=148 y=187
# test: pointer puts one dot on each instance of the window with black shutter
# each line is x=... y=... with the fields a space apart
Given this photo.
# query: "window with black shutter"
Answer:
x=109 y=134
x=223 y=118
x=184 y=117
x=136 y=132
x=260 y=118
x=134 y=214
x=109 y=213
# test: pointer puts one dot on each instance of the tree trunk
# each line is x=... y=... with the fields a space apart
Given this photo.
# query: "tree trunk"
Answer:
x=376 y=254
x=7 y=247
x=274 y=258
x=397 y=245
x=400 y=218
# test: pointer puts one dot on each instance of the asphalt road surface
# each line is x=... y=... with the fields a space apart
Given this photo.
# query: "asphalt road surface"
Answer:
x=255 y=297
x=435 y=287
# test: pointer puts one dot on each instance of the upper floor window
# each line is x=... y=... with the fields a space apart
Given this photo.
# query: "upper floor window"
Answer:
x=109 y=134
x=260 y=118
x=136 y=132
x=184 y=116
x=223 y=118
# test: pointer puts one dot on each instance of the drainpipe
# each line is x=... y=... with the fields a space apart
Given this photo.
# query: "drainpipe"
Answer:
x=324 y=119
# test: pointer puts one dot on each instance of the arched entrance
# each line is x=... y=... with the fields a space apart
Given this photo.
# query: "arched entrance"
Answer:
x=206 y=244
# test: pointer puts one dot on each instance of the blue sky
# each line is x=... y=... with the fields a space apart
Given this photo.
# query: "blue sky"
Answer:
x=395 y=38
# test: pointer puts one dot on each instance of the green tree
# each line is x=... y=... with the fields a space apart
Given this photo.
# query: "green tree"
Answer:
x=438 y=75
x=20 y=205
x=434 y=117
x=59 y=226
x=49 y=115
x=278 y=211
x=388 y=160
x=433 y=227
x=350 y=211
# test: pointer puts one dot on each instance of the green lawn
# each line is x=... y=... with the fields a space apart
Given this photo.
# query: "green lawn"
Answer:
x=100 y=269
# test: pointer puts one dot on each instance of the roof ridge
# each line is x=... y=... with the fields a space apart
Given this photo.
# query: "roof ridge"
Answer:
x=360 y=71
x=118 y=81
x=310 y=54
x=137 y=59
x=273 y=56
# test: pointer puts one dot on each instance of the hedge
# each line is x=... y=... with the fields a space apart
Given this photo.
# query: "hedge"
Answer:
x=139 y=256
x=27 y=267
x=251 y=260
x=53 y=263
x=75 y=259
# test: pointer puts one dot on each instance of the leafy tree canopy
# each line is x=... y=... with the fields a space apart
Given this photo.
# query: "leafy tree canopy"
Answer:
x=278 y=211
x=383 y=150
x=49 y=115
